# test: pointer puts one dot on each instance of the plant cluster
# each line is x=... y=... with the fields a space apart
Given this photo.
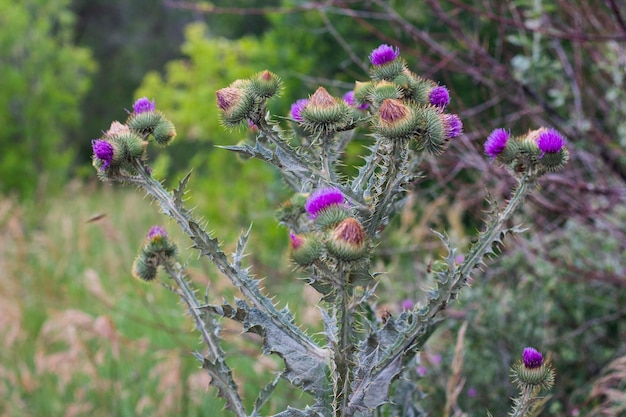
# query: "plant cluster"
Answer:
x=334 y=222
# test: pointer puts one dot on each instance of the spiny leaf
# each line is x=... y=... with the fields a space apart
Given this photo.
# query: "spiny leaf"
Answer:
x=179 y=192
x=265 y=395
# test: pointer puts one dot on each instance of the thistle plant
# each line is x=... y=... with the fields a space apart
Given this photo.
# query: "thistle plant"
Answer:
x=333 y=223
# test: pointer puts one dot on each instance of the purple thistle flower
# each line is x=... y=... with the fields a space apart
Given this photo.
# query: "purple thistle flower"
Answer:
x=349 y=98
x=143 y=105
x=296 y=240
x=407 y=304
x=103 y=150
x=532 y=358
x=453 y=125
x=321 y=199
x=550 y=141
x=296 y=109
x=383 y=54
x=157 y=232
x=496 y=142
x=439 y=96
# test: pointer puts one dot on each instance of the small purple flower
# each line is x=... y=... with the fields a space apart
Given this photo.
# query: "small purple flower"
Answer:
x=144 y=105
x=296 y=109
x=496 y=142
x=321 y=199
x=103 y=150
x=532 y=358
x=383 y=54
x=349 y=98
x=471 y=392
x=157 y=232
x=439 y=96
x=407 y=304
x=422 y=370
x=453 y=125
x=296 y=240
x=550 y=141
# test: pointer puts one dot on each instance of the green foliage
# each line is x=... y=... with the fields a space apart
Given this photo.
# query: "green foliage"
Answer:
x=44 y=77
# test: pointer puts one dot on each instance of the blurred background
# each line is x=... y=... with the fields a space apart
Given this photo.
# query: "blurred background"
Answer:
x=80 y=336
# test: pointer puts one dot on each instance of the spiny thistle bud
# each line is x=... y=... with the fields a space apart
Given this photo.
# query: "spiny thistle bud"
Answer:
x=362 y=91
x=265 y=84
x=386 y=63
x=327 y=207
x=499 y=146
x=296 y=109
x=156 y=250
x=347 y=241
x=235 y=103
x=554 y=154
x=384 y=90
x=324 y=114
x=116 y=128
x=395 y=120
x=439 y=96
x=128 y=146
x=143 y=105
x=102 y=153
x=419 y=88
x=532 y=372
x=304 y=249
x=144 y=122
x=164 y=132
x=434 y=130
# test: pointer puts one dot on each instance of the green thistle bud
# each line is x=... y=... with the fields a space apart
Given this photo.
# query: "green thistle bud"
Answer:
x=325 y=114
x=331 y=216
x=145 y=122
x=156 y=250
x=305 y=249
x=164 y=132
x=127 y=147
x=145 y=268
x=389 y=70
x=265 y=84
x=395 y=120
x=431 y=130
x=382 y=91
x=347 y=241
x=236 y=104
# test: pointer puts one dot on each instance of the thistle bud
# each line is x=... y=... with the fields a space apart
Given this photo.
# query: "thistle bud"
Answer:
x=129 y=146
x=347 y=241
x=324 y=114
x=384 y=90
x=362 y=91
x=532 y=371
x=265 y=84
x=304 y=249
x=235 y=103
x=434 y=130
x=395 y=120
x=386 y=63
x=116 y=128
x=327 y=207
x=157 y=249
x=164 y=132
x=144 y=122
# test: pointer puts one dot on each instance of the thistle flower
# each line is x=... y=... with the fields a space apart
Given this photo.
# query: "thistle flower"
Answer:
x=157 y=249
x=532 y=371
x=396 y=120
x=143 y=105
x=323 y=199
x=235 y=103
x=384 y=54
x=452 y=124
x=296 y=109
x=304 y=249
x=550 y=141
x=532 y=358
x=439 y=96
x=116 y=128
x=496 y=142
x=265 y=84
x=324 y=114
x=157 y=233
x=103 y=151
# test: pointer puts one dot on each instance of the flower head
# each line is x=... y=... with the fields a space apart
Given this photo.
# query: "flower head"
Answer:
x=157 y=233
x=383 y=54
x=453 y=125
x=347 y=241
x=407 y=304
x=103 y=151
x=532 y=358
x=439 y=96
x=144 y=105
x=322 y=199
x=496 y=142
x=550 y=141
x=296 y=108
